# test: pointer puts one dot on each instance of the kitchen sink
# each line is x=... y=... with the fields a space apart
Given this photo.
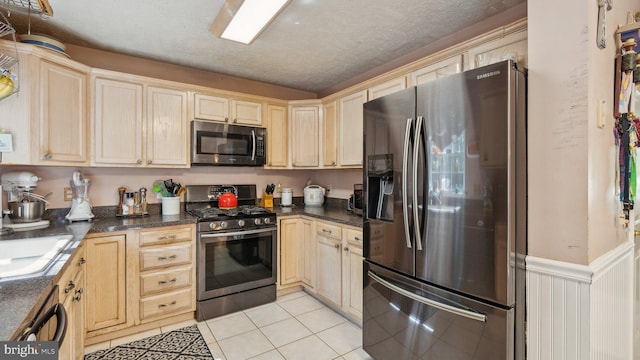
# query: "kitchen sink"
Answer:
x=27 y=256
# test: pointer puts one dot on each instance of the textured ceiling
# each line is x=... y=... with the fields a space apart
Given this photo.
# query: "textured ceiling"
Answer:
x=312 y=45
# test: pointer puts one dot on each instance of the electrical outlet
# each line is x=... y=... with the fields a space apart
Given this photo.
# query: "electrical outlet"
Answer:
x=68 y=194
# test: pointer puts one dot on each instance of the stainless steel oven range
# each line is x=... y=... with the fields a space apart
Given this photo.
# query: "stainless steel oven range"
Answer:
x=236 y=250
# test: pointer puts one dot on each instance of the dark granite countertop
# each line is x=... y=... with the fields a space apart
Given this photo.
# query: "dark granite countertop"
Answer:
x=329 y=213
x=21 y=297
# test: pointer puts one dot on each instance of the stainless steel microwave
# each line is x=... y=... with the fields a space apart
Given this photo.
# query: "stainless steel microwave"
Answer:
x=227 y=144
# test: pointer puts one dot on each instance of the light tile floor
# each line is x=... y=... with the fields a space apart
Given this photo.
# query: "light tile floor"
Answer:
x=296 y=326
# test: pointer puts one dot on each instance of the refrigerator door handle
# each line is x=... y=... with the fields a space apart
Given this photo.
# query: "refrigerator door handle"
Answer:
x=405 y=168
x=438 y=305
x=416 y=149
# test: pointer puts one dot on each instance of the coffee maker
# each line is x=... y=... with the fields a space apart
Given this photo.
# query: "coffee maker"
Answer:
x=355 y=200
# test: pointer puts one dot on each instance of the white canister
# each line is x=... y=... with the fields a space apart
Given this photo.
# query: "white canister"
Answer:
x=287 y=197
x=171 y=205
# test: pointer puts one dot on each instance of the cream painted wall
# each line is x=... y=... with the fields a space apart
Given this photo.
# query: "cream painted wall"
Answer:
x=341 y=181
x=105 y=181
x=572 y=202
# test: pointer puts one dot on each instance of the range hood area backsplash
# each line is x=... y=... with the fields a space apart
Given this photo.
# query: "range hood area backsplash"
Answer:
x=105 y=181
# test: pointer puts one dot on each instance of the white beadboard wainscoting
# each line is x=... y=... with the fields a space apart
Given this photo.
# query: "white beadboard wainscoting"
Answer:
x=581 y=311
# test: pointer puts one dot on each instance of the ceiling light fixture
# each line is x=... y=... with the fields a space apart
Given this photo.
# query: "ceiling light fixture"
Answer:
x=244 y=20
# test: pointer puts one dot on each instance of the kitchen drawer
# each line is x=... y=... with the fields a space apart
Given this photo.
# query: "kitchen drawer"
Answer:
x=353 y=237
x=165 y=280
x=166 y=303
x=164 y=256
x=330 y=231
x=165 y=236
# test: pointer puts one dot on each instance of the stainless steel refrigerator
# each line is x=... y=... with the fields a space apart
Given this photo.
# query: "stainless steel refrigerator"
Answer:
x=445 y=218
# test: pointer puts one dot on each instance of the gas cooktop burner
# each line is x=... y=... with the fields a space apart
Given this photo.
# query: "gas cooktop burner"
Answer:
x=240 y=211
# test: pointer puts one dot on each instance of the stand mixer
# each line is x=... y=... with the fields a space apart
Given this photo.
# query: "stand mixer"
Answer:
x=25 y=207
x=80 y=207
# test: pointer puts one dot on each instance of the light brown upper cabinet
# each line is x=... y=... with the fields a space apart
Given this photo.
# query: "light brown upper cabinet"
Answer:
x=387 y=87
x=139 y=124
x=276 y=136
x=225 y=109
x=62 y=120
x=512 y=46
x=440 y=69
x=304 y=137
x=350 y=129
x=330 y=135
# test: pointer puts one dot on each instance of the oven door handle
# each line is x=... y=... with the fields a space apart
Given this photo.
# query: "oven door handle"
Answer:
x=243 y=232
x=59 y=312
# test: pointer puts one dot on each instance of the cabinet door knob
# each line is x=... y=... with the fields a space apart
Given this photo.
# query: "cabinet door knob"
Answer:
x=82 y=261
x=78 y=294
x=269 y=163
x=149 y=162
x=346 y=248
x=139 y=162
x=69 y=287
x=226 y=119
x=333 y=163
x=235 y=121
x=47 y=156
x=337 y=246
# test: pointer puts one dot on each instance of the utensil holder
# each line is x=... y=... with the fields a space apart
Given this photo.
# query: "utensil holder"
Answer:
x=267 y=200
x=171 y=205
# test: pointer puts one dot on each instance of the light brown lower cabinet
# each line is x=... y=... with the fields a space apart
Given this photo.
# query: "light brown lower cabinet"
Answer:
x=137 y=279
x=325 y=258
x=71 y=295
x=352 y=273
x=165 y=284
x=106 y=277
x=329 y=262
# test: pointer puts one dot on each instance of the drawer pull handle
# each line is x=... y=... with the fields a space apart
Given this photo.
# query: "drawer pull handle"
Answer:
x=171 y=237
x=69 y=287
x=78 y=294
x=167 y=257
x=357 y=238
x=164 y=282
x=169 y=304
x=82 y=261
x=327 y=231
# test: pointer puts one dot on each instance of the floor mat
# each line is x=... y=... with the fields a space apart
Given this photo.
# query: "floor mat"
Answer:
x=186 y=343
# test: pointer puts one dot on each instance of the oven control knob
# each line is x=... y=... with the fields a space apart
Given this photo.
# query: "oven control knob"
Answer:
x=241 y=223
x=223 y=224
x=267 y=221
x=257 y=221
x=212 y=225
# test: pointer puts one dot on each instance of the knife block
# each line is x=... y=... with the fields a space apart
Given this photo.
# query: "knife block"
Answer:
x=267 y=200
